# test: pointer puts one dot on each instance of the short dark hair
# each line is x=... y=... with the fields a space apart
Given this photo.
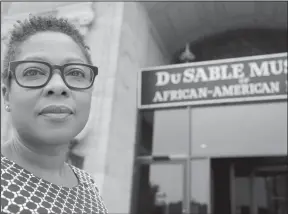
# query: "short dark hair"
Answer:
x=33 y=25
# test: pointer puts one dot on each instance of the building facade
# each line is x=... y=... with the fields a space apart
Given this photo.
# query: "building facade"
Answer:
x=205 y=159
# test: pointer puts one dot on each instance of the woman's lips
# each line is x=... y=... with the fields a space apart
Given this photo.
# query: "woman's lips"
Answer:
x=56 y=109
x=56 y=112
x=56 y=115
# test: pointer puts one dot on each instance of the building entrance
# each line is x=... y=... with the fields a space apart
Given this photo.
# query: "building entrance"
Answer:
x=162 y=187
x=250 y=185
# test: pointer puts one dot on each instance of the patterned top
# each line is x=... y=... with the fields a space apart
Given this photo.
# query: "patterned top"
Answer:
x=23 y=192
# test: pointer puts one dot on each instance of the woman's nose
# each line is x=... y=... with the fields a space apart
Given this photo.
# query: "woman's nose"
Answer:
x=56 y=86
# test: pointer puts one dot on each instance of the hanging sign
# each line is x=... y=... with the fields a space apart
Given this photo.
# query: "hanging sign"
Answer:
x=244 y=79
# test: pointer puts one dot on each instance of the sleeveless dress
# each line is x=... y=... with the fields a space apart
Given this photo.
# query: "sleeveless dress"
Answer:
x=23 y=192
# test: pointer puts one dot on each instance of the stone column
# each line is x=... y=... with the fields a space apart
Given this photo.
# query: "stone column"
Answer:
x=139 y=46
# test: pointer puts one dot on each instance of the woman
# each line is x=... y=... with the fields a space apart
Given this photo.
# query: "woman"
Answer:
x=47 y=87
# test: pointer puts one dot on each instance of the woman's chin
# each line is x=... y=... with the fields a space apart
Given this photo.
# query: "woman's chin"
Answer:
x=57 y=135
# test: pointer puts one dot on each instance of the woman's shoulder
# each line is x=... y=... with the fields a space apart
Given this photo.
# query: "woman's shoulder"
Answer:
x=83 y=173
x=5 y=163
x=84 y=176
x=89 y=183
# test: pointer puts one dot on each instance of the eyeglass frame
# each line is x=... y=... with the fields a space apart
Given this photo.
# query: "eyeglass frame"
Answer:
x=14 y=64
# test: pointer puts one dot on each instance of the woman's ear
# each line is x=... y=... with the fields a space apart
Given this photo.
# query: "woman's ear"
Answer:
x=5 y=95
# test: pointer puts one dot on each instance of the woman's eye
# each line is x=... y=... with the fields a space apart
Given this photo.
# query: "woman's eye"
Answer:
x=76 y=73
x=33 y=72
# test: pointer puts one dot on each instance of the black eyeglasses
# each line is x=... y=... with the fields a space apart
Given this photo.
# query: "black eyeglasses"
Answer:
x=37 y=74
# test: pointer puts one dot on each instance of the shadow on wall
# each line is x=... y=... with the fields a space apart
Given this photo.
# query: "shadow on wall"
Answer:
x=74 y=159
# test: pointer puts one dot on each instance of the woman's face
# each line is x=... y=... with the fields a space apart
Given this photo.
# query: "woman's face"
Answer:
x=27 y=104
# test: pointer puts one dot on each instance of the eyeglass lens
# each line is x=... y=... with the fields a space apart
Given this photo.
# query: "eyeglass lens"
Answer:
x=33 y=74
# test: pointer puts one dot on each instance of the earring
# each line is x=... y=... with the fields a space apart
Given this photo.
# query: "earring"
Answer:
x=7 y=108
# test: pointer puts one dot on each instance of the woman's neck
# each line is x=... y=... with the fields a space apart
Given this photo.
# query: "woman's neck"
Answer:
x=35 y=156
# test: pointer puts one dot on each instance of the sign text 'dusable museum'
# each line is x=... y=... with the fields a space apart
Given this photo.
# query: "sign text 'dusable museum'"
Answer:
x=221 y=81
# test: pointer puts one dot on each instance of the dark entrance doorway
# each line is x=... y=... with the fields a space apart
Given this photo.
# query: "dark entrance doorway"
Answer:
x=162 y=186
x=250 y=185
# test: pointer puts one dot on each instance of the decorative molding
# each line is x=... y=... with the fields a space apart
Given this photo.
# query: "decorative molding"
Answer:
x=80 y=14
x=187 y=56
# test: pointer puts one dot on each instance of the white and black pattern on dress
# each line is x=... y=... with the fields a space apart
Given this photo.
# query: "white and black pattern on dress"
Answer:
x=22 y=192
